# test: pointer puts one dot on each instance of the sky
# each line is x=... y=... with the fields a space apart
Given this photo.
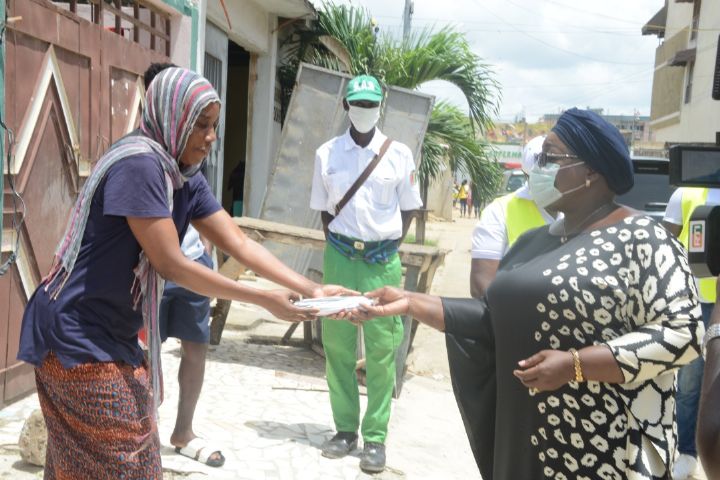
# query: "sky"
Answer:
x=547 y=55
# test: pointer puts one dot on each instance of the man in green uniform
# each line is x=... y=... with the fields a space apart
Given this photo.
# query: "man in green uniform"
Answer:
x=361 y=253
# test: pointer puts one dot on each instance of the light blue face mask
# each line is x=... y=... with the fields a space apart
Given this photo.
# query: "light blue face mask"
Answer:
x=542 y=183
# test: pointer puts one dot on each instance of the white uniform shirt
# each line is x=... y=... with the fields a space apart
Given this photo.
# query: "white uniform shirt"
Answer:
x=373 y=213
x=490 y=239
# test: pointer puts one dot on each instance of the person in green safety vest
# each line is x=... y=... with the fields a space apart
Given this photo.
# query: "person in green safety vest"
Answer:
x=676 y=220
x=500 y=225
x=502 y=222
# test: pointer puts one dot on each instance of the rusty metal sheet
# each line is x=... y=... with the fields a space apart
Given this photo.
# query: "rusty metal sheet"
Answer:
x=315 y=115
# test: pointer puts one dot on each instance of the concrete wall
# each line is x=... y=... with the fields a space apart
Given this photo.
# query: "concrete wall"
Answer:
x=439 y=199
x=254 y=29
x=251 y=27
x=181 y=51
x=700 y=118
x=265 y=131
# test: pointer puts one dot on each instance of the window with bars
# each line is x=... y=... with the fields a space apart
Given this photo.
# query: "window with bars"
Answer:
x=135 y=20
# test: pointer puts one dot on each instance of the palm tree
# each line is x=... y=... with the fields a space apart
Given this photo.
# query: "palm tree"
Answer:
x=345 y=39
x=450 y=135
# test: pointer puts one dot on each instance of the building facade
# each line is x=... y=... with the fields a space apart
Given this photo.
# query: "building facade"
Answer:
x=635 y=128
x=682 y=107
x=72 y=83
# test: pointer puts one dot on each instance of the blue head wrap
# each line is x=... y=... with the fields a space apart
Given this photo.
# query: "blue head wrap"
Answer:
x=599 y=144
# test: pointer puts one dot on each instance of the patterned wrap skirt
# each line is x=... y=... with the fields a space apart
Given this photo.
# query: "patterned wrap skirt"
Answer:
x=99 y=420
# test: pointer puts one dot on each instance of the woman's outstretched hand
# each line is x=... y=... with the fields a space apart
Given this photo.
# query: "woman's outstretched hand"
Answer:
x=388 y=301
x=332 y=291
x=280 y=304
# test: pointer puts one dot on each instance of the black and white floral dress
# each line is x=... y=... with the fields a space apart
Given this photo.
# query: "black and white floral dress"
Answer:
x=627 y=286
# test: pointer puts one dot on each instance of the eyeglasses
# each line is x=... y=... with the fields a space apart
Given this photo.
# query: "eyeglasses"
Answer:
x=544 y=158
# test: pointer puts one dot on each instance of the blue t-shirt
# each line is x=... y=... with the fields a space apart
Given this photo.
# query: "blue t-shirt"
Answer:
x=93 y=318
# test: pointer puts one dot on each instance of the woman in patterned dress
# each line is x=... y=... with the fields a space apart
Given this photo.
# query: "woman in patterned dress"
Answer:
x=584 y=326
x=97 y=390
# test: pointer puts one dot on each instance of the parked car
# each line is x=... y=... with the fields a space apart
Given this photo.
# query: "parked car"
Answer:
x=650 y=194
x=652 y=188
x=512 y=180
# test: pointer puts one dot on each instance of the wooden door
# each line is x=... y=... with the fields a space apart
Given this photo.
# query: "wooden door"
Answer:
x=72 y=87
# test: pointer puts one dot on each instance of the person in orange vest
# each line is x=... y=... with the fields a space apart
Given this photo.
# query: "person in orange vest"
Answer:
x=677 y=219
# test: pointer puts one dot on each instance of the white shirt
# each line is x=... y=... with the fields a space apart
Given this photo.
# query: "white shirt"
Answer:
x=373 y=213
x=673 y=210
x=490 y=239
x=191 y=245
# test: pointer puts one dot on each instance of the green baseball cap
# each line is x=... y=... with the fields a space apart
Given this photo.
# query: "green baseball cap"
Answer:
x=364 y=87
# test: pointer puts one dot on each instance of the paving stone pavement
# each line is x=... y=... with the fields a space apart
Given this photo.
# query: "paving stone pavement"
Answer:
x=267 y=406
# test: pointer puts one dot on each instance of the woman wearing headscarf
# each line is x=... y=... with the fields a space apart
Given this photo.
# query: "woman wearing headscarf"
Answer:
x=584 y=326
x=80 y=328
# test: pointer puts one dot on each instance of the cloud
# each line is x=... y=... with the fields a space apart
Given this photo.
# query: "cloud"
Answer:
x=549 y=54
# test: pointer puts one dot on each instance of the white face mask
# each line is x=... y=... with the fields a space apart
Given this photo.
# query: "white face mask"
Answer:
x=364 y=119
x=542 y=184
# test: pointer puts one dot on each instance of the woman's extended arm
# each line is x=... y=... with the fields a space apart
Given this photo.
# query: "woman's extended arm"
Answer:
x=466 y=317
x=424 y=308
x=220 y=229
x=159 y=240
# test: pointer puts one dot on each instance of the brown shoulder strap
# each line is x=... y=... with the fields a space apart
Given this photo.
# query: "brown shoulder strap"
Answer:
x=363 y=176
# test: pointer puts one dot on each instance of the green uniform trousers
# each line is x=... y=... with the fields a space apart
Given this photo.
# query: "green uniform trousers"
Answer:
x=382 y=336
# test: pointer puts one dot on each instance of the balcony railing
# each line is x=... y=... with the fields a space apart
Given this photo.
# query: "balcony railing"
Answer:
x=136 y=20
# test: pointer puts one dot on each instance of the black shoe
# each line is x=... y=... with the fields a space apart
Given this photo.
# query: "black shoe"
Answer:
x=340 y=445
x=373 y=458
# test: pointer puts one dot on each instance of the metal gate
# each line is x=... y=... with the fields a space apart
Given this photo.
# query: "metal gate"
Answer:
x=216 y=66
x=73 y=86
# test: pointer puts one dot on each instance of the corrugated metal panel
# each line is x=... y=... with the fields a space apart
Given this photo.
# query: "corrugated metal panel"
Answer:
x=315 y=115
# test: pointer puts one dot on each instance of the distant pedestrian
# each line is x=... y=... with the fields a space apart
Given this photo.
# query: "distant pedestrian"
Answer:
x=462 y=195
x=469 y=200
x=476 y=204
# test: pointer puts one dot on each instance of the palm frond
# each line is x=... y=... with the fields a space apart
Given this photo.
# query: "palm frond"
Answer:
x=445 y=55
x=427 y=54
x=450 y=140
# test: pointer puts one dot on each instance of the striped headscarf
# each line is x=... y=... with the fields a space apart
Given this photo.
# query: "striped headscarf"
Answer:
x=174 y=100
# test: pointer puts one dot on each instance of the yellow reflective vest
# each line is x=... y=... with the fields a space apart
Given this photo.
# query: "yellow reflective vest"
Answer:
x=521 y=215
x=691 y=199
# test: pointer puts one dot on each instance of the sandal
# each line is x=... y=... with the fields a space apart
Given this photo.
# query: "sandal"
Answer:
x=200 y=450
